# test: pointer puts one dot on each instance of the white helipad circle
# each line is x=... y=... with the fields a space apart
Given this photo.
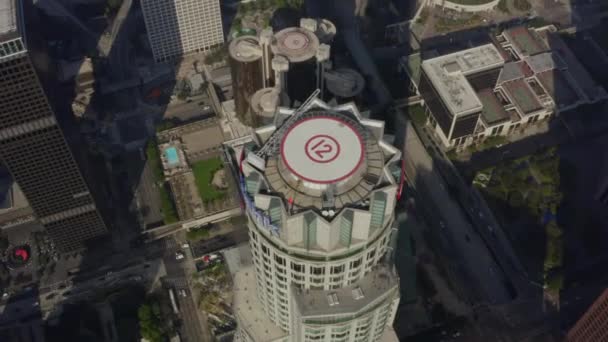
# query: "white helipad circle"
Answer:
x=322 y=150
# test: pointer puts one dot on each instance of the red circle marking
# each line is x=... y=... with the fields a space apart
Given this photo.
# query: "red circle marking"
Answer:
x=350 y=173
x=317 y=144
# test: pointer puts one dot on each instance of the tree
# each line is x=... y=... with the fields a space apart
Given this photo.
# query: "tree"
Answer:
x=197 y=234
x=153 y=159
x=150 y=322
x=183 y=93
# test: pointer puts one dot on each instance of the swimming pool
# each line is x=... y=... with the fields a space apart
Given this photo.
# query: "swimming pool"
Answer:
x=171 y=155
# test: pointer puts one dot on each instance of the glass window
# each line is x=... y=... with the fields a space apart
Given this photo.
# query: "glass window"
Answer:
x=317 y=270
x=279 y=260
x=337 y=269
x=297 y=267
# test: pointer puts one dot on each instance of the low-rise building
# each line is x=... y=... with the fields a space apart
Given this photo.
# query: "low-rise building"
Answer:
x=524 y=76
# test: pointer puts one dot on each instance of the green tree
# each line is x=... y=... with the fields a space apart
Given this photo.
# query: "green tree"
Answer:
x=167 y=206
x=150 y=322
x=153 y=159
x=197 y=234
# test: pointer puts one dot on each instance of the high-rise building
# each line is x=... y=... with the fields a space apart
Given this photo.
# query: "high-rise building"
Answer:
x=593 y=326
x=246 y=69
x=32 y=145
x=320 y=190
x=178 y=27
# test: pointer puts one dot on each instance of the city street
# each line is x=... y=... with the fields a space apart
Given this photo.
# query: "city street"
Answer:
x=474 y=258
x=194 y=326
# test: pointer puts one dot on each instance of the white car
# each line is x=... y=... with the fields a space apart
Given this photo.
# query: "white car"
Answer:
x=179 y=255
x=183 y=293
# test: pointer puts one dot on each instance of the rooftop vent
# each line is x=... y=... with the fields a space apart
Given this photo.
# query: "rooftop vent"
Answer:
x=357 y=293
x=332 y=298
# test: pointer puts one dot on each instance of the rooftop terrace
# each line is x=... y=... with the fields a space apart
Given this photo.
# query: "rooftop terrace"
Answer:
x=350 y=300
x=447 y=74
x=493 y=111
x=524 y=41
x=522 y=96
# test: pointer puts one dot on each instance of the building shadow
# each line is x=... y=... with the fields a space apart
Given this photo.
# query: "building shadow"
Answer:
x=576 y=134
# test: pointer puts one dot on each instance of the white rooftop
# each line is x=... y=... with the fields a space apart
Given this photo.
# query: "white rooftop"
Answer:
x=296 y=44
x=322 y=150
x=249 y=310
x=245 y=49
x=447 y=74
x=8 y=16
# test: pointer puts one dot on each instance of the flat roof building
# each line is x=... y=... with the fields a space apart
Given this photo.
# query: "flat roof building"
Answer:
x=320 y=192
x=524 y=76
x=180 y=27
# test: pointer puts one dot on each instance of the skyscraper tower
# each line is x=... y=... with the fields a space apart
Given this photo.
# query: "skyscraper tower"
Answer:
x=178 y=27
x=320 y=192
x=246 y=69
x=32 y=145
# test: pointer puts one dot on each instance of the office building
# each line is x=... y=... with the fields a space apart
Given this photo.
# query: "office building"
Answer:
x=246 y=68
x=525 y=76
x=593 y=326
x=32 y=145
x=320 y=190
x=179 y=27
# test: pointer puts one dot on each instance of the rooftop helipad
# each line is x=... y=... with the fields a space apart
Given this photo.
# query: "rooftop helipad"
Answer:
x=296 y=44
x=322 y=149
x=325 y=158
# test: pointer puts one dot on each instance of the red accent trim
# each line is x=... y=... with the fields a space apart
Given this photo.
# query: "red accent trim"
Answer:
x=241 y=159
x=402 y=180
x=350 y=173
x=315 y=159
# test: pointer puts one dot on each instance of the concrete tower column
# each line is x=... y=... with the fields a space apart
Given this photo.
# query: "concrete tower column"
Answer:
x=323 y=53
x=265 y=42
x=280 y=66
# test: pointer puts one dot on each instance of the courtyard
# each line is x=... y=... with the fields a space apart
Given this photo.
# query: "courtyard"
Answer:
x=191 y=174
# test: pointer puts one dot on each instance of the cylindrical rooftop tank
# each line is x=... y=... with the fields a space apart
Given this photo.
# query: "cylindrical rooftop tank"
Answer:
x=246 y=68
x=326 y=31
x=264 y=104
x=344 y=84
x=299 y=46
